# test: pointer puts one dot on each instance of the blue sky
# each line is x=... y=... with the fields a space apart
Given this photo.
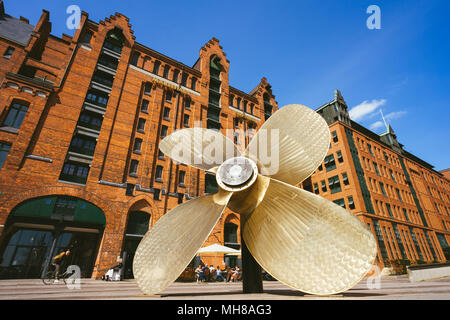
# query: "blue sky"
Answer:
x=306 y=49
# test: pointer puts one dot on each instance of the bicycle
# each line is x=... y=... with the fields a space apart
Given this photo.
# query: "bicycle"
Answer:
x=50 y=277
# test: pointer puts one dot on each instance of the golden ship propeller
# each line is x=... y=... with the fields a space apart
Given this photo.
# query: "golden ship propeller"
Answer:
x=303 y=240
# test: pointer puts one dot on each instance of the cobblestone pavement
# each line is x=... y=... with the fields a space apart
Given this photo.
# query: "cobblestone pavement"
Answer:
x=390 y=288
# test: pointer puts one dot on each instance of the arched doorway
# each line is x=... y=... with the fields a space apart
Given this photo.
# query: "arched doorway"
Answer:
x=40 y=228
x=137 y=227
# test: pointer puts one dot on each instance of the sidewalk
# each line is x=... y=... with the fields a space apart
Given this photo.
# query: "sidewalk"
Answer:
x=397 y=288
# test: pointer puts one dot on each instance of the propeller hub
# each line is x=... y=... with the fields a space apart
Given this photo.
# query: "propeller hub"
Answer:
x=237 y=174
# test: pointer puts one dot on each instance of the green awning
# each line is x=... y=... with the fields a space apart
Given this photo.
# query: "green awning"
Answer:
x=61 y=208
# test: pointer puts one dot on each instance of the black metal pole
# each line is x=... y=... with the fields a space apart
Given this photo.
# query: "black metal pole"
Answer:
x=251 y=271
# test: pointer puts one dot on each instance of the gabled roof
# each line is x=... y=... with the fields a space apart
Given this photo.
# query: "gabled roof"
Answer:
x=15 y=30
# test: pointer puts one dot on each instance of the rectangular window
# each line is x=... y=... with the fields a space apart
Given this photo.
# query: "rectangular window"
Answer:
x=335 y=137
x=16 y=114
x=375 y=166
x=4 y=150
x=370 y=149
x=380 y=239
x=156 y=67
x=339 y=156
x=163 y=131
x=87 y=38
x=351 y=204
x=175 y=75
x=184 y=78
x=144 y=106
x=148 y=88
x=161 y=155
x=156 y=193
x=158 y=173
x=406 y=215
x=330 y=163
x=83 y=145
x=135 y=58
x=166 y=115
x=382 y=189
x=186 y=120
x=193 y=83
x=334 y=184
x=416 y=243
x=75 y=172
x=187 y=103
x=316 y=188
x=181 y=176
x=345 y=179
x=211 y=184
x=137 y=145
x=134 y=167
x=141 y=125
x=166 y=72
x=388 y=206
x=386 y=158
x=392 y=175
x=97 y=98
x=169 y=95
x=8 y=53
x=398 y=194
x=324 y=186
x=340 y=202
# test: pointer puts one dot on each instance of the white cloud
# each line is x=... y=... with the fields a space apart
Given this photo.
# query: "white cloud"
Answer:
x=394 y=115
x=376 y=125
x=366 y=108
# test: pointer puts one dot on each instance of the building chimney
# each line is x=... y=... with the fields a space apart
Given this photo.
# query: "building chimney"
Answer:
x=2 y=7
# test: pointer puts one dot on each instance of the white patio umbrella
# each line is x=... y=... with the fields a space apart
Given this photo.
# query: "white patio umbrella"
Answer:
x=217 y=248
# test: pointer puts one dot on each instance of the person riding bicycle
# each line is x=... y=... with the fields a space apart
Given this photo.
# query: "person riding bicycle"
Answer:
x=60 y=259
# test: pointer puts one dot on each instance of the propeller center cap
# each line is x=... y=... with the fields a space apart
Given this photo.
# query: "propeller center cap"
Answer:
x=236 y=173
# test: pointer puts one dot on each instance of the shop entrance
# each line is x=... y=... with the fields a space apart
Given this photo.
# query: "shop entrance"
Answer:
x=40 y=228
x=137 y=227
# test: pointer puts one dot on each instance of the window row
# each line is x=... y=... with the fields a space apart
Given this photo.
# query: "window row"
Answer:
x=341 y=202
x=334 y=184
x=388 y=191
x=241 y=103
x=330 y=162
x=377 y=152
x=165 y=71
x=400 y=243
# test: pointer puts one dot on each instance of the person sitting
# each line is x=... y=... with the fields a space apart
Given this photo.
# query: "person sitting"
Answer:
x=236 y=276
x=219 y=274
x=206 y=272
x=212 y=272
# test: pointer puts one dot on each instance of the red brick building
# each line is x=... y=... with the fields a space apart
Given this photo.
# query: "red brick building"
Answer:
x=403 y=200
x=80 y=122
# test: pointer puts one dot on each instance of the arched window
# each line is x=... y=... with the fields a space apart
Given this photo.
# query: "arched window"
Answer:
x=114 y=40
x=138 y=223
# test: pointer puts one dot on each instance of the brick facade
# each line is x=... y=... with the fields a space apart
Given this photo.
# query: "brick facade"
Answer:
x=399 y=196
x=52 y=76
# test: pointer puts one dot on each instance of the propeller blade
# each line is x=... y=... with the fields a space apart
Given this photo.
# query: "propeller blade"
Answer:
x=198 y=147
x=173 y=241
x=298 y=136
x=307 y=242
